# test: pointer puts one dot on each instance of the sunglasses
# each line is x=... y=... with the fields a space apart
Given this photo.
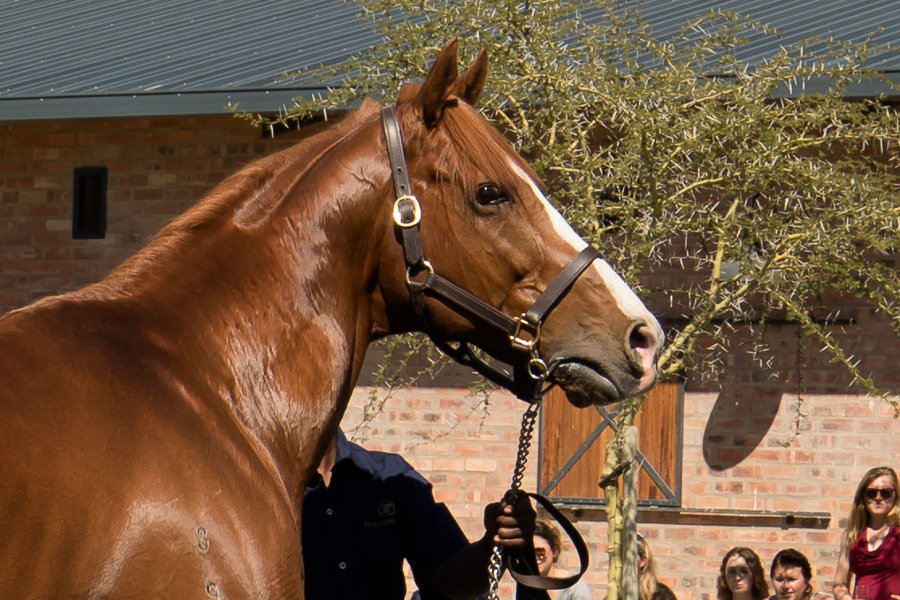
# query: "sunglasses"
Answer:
x=540 y=552
x=885 y=493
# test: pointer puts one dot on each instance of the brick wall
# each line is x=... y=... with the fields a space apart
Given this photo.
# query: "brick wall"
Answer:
x=795 y=456
x=469 y=456
x=156 y=169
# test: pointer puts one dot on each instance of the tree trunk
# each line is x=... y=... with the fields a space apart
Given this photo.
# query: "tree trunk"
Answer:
x=621 y=509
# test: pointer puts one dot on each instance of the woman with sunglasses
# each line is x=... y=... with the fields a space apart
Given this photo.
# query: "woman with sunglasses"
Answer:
x=547 y=549
x=870 y=547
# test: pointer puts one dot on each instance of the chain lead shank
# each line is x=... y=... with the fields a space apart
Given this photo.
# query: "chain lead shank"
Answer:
x=526 y=432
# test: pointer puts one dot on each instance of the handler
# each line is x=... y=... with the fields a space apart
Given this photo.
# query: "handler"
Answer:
x=367 y=511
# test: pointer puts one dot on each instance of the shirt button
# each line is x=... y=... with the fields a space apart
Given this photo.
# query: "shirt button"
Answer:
x=329 y=512
x=342 y=565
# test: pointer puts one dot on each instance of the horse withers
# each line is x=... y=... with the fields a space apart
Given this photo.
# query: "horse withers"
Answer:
x=159 y=427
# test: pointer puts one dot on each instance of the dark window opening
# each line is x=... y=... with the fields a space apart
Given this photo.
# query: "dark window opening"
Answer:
x=89 y=203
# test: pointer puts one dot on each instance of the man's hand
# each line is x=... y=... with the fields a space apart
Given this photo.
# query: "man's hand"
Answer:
x=510 y=524
x=465 y=574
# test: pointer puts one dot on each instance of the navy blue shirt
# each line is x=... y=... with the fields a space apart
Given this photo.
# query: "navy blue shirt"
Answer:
x=376 y=511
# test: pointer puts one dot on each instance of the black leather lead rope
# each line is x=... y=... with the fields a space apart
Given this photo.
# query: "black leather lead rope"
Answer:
x=529 y=575
x=522 y=565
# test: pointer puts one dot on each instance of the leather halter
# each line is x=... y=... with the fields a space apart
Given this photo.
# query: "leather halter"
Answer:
x=523 y=332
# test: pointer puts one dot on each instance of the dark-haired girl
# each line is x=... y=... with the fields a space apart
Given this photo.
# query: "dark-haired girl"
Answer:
x=791 y=576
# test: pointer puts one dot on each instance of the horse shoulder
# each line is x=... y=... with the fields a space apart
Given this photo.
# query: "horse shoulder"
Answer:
x=104 y=435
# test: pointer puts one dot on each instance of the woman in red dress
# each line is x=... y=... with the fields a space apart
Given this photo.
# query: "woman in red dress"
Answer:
x=870 y=548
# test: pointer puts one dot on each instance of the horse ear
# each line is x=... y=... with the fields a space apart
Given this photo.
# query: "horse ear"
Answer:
x=439 y=84
x=471 y=83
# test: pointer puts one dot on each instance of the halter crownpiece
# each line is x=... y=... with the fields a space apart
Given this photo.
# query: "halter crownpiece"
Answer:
x=523 y=332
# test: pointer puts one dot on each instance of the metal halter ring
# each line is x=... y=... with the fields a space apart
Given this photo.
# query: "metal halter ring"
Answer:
x=425 y=265
x=399 y=217
x=537 y=368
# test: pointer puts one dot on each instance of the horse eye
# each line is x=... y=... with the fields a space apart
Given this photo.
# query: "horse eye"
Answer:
x=490 y=194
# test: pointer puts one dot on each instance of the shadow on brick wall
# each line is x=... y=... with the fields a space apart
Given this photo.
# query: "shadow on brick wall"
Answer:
x=737 y=424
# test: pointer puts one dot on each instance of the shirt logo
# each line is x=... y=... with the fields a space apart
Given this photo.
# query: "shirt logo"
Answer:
x=386 y=509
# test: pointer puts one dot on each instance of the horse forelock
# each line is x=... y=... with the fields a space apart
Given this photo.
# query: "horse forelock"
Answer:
x=484 y=153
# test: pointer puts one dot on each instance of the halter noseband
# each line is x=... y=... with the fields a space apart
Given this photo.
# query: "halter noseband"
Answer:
x=523 y=331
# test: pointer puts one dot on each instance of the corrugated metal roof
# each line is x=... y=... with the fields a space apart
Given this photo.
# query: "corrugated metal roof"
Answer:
x=71 y=58
x=189 y=54
x=795 y=20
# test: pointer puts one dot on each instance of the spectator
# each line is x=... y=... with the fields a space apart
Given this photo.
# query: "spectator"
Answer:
x=870 y=547
x=649 y=587
x=791 y=576
x=365 y=512
x=741 y=576
x=547 y=550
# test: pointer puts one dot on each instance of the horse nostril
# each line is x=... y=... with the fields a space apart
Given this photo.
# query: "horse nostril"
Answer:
x=643 y=342
x=642 y=339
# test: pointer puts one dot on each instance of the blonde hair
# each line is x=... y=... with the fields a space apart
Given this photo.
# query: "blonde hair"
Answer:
x=859 y=514
x=647 y=577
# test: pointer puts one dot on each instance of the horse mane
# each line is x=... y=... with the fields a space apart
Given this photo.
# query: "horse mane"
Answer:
x=251 y=184
x=244 y=197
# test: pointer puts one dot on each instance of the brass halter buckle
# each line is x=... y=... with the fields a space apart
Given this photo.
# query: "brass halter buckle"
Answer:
x=525 y=337
x=526 y=334
x=407 y=211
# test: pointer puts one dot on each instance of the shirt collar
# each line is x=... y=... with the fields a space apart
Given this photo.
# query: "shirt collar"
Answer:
x=359 y=456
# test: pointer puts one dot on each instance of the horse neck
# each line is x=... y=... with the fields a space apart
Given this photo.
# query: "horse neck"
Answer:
x=271 y=278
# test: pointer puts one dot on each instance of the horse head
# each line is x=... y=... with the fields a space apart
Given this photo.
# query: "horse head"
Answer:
x=486 y=259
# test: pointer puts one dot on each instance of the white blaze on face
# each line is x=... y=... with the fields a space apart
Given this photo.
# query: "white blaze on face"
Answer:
x=625 y=298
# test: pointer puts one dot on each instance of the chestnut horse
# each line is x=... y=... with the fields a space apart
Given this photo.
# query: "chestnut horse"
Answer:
x=159 y=427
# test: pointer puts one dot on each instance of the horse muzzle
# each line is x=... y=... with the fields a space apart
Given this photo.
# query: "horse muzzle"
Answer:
x=590 y=380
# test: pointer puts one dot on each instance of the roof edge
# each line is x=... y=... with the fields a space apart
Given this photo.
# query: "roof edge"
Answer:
x=213 y=102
